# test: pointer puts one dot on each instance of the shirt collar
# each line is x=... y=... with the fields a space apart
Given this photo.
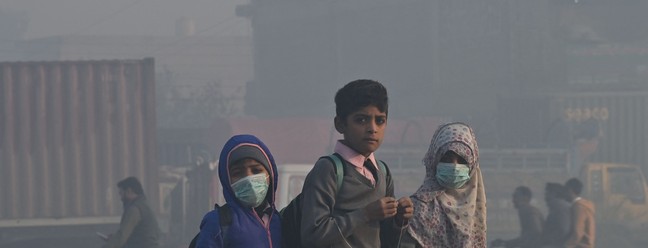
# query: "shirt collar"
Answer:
x=353 y=157
x=575 y=200
x=265 y=214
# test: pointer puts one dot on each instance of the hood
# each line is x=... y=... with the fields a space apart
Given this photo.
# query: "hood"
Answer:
x=224 y=162
x=457 y=137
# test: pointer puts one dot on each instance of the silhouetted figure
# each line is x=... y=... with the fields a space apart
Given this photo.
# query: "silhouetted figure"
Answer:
x=583 y=228
x=138 y=227
x=531 y=221
x=558 y=223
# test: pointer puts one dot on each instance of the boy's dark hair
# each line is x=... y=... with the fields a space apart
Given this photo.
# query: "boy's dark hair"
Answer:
x=524 y=191
x=131 y=183
x=359 y=94
x=574 y=185
x=555 y=188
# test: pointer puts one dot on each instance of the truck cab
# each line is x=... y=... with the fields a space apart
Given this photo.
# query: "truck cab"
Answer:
x=291 y=181
x=618 y=190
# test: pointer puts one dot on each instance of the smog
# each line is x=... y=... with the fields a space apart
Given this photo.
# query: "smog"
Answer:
x=93 y=92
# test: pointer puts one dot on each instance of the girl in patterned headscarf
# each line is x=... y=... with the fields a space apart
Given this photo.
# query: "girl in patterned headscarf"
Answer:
x=450 y=206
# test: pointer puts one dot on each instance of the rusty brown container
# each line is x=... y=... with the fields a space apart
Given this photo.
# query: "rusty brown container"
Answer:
x=69 y=131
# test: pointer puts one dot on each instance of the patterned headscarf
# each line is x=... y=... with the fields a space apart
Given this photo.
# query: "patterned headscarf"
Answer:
x=450 y=217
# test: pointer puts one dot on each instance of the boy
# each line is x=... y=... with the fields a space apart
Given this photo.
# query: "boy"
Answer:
x=583 y=224
x=248 y=174
x=352 y=216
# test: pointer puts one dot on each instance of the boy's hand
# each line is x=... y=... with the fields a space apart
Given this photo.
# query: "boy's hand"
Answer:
x=405 y=211
x=381 y=209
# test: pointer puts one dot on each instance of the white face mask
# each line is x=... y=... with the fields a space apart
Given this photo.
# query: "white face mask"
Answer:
x=251 y=190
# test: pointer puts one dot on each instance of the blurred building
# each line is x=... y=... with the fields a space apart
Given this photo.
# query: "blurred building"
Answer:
x=436 y=57
x=492 y=63
x=193 y=71
x=607 y=44
x=13 y=26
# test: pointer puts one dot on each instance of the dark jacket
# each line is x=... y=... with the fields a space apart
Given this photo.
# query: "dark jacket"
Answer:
x=558 y=223
x=246 y=229
x=138 y=227
x=531 y=221
x=147 y=231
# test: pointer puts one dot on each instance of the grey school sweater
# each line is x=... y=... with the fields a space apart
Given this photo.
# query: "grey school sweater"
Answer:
x=330 y=216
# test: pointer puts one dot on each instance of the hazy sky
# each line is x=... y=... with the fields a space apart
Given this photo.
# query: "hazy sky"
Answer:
x=127 y=17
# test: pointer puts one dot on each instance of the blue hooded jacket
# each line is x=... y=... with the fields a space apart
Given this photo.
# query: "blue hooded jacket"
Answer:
x=246 y=230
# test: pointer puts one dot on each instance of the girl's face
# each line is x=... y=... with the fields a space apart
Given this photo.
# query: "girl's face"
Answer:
x=246 y=167
x=453 y=158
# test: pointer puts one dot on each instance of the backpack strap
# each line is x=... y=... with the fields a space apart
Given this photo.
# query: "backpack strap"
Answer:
x=383 y=167
x=388 y=177
x=339 y=170
x=225 y=220
x=225 y=215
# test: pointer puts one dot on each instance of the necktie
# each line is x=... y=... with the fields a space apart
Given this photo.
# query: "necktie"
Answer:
x=370 y=166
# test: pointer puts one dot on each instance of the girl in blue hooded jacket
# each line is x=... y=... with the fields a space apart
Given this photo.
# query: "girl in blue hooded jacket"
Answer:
x=248 y=175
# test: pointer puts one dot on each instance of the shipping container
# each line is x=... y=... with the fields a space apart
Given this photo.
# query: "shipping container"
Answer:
x=70 y=130
x=598 y=126
x=618 y=120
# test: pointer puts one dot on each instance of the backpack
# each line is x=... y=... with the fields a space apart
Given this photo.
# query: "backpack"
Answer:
x=292 y=213
x=225 y=220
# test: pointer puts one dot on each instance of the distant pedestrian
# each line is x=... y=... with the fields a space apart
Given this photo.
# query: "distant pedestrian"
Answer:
x=583 y=226
x=558 y=223
x=531 y=221
x=138 y=227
